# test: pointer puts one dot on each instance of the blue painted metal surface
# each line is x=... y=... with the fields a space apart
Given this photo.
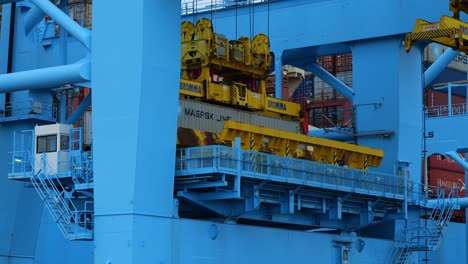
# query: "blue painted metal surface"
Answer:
x=138 y=192
x=331 y=80
x=439 y=65
x=79 y=111
x=81 y=34
x=134 y=190
x=45 y=78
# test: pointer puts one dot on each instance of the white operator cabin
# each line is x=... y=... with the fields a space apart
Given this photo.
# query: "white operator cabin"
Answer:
x=54 y=142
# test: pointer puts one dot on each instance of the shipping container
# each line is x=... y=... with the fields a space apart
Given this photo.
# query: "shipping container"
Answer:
x=433 y=51
x=441 y=162
x=447 y=179
x=434 y=98
x=447 y=75
x=305 y=90
x=327 y=62
x=439 y=178
x=70 y=2
x=82 y=13
x=345 y=77
x=270 y=83
x=210 y=117
x=336 y=63
x=87 y=129
x=344 y=62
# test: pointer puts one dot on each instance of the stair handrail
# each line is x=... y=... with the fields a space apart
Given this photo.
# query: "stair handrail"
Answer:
x=51 y=181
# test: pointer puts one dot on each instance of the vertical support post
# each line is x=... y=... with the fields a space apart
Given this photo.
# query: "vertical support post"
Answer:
x=449 y=93
x=63 y=107
x=466 y=211
x=291 y=201
x=135 y=147
x=279 y=75
x=402 y=172
x=238 y=151
x=339 y=208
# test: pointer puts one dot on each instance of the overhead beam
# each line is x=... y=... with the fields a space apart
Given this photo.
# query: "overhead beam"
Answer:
x=338 y=85
x=45 y=78
x=83 y=35
x=439 y=65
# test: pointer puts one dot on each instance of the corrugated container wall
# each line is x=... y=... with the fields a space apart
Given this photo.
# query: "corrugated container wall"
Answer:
x=449 y=179
x=438 y=98
x=87 y=128
x=440 y=162
x=210 y=118
x=306 y=89
x=81 y=12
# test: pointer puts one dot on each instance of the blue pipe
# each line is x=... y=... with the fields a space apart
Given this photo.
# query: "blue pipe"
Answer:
x=453 y=155
x=31 y=19
x=279 y=76
x=83 y=35
x=332 y=81
x=79 y=111
x=462 y=202
x=439 y=65
x=330 y=134
x=45 y=78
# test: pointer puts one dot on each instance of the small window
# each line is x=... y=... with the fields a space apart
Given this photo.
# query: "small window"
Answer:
x=64 y=142
x=46 y=144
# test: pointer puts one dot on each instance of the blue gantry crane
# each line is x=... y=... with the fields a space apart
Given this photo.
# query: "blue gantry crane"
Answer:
x=133 y=197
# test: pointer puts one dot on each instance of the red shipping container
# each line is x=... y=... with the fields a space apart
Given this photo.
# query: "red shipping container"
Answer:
x=446 y=180
x=458 y=216
x=343 y=62
x=441 y=162
x=327 y=62
x=438 y=98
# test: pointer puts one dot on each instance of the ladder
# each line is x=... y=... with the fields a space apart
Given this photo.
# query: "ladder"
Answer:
x=74 y=224
x=428 y=237
x=81 y=165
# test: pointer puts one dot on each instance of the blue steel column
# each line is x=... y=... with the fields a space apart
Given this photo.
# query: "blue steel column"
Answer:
x=279 y=74
x=135 y=100
x=388 y=96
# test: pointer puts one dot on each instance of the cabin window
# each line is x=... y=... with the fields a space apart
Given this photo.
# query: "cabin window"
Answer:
x=46 y=144
x=64 y=142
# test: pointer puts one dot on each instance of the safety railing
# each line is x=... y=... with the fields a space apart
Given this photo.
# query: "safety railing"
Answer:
x=195 y=6
x=445 y=111
x=21 y=162
x=28 y=107
x=71 y=221
x=222 y=159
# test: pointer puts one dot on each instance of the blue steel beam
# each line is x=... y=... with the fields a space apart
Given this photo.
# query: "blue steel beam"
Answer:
x=460 y=160
x=83 y=35
x=45 y=78
x=331 y=80
x=79 y=111
x=439 y=65
x=34 y=15
x=135 y=129
x=340 y=21
x=330 y=134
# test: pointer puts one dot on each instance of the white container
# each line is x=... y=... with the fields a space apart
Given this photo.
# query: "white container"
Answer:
x=210 y=117
x=87 y=129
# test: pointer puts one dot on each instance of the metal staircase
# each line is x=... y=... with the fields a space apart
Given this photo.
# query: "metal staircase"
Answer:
x=73 y=223
x=429 y=236
x=81 y=162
